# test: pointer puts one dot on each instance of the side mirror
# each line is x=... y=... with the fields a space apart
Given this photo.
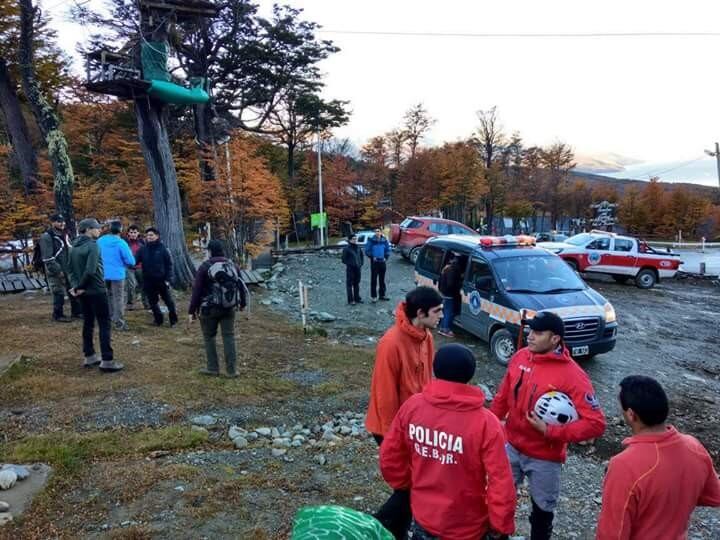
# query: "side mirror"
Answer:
x=483 y=283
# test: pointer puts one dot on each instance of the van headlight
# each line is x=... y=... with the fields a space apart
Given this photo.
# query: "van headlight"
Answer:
x=609 y=313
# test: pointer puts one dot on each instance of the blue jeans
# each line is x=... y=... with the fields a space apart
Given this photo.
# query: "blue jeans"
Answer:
x=448 y=313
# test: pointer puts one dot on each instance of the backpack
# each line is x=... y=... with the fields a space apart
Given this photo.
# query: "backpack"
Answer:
x=226 y=287
x=37 y=263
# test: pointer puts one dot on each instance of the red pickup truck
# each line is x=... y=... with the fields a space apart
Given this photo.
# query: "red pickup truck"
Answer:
x=622 y=257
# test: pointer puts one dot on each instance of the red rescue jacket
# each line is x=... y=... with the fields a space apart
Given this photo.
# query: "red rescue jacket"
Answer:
x=528 y=377
x=652 y=487
x=450 y=451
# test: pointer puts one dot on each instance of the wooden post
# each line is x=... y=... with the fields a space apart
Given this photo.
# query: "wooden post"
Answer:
x=302 y=293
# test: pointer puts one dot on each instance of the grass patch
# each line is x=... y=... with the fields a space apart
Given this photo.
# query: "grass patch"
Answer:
x=16 y=370
x=68 y=451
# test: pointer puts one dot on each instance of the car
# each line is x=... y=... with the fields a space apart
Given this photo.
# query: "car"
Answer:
x=410 y=235
x=362 y=238
x=508 y=280
x=622 y=257
x=552 y=236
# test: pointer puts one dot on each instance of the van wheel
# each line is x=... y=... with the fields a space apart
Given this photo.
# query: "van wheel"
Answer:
x=645 y=278
x=502 y=347
x=414 y=252
x=620 y=279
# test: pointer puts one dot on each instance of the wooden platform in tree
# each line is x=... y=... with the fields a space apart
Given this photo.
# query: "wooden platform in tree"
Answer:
x=182 y=9
x=122 y=88
x=15 y=283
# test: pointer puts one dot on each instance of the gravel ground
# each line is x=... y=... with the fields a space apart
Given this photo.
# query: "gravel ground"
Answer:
x=670 y=332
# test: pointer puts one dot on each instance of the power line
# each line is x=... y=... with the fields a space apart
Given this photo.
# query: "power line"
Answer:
x=492 y=35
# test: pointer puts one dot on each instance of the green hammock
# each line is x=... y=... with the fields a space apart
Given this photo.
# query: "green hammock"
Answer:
x=153 y=56
x=336 y=523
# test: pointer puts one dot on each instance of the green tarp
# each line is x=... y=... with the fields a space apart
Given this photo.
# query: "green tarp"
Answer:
x=153 y=55
x=336 y=523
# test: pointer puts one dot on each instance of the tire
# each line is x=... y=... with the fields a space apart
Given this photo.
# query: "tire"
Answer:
x=572 y=264
x=646 y=278
x=414 y=252
x=502 y=346
x=620 y=279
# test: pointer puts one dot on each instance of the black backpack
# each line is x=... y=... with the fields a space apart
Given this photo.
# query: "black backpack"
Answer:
x=226 y=287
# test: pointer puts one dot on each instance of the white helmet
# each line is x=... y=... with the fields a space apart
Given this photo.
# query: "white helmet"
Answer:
x=555 y=408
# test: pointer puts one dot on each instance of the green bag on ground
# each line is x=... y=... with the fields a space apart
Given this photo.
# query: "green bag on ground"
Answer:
x=336 y=523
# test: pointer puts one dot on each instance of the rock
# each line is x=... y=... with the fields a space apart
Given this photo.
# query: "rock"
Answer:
x=5 y=517
x=344 y=430
x=155 y=454
x=240 y=442
x=264 y=431
x=7 y=479
x=234 y=432
x=321 y=459
x=299 y=438
x=266 y=302
x=252 y=436
x=200 y=429
x=4 y=507
x=355 y=432
x=281 y=443
x=297 y=427
x=275 y=433
x=278 y=268
x=693 y=378
x=179 y=488
x=330 y=436
x=324 y=316
x=21 y=472
x=135 y=342
x=277 y=299
x=278 y=452
x=204 y=420
x=296 y=444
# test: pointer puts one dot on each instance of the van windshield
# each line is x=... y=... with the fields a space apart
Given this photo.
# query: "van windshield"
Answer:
x=537 y=274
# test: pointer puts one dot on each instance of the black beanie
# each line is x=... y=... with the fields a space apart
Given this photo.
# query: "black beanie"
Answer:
x=455 y=363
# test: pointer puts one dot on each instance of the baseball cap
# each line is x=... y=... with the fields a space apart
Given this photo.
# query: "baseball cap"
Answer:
x=57 y=217
x=546 y=320
x=89 y=223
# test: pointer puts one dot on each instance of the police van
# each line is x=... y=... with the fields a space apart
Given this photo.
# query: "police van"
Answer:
x=508 y=279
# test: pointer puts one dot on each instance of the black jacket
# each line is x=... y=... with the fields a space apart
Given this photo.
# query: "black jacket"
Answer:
x=156 y=261
x=450 y=281
x=352 y=256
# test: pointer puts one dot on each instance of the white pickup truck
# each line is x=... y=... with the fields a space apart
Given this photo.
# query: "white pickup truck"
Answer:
x=622 y=257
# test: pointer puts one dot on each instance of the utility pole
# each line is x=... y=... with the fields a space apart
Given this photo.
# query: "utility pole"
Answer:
x=320 y=190
x=716 y=155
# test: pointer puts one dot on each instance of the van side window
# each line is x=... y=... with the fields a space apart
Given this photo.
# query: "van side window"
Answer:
x=431 y=259
x=478 y=269
x=623 y=245
x=601 y=244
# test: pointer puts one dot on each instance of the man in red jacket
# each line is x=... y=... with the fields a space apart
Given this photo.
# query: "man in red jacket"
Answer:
x=547 y=401
x=449 y=450
x=652 y=486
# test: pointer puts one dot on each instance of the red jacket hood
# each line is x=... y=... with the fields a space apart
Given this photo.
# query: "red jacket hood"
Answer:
x=454 y=396
x=659 y=437
x=402 y=321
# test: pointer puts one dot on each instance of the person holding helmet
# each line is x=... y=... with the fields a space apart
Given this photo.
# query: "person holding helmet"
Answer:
x=653 y=486
x=547 y=401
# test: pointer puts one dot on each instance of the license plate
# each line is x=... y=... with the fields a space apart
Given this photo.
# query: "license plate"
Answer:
x=580 y=351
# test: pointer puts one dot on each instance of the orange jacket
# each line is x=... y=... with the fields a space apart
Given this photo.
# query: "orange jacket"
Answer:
x=652 y=487
x=403 y=366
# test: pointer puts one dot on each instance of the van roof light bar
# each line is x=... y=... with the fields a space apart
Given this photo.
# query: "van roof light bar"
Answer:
x=489 y=242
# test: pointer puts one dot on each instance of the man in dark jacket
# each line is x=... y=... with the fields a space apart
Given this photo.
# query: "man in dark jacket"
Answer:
x=134 y=278
x=55 y=251
x=377 y=249
x=352 y=258
x=88 y=285
x=449 y=285
x=157 y=272
x=212 y=315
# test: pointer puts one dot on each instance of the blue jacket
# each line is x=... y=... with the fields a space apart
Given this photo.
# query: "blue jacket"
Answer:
x=377 y=249
x=116 y=256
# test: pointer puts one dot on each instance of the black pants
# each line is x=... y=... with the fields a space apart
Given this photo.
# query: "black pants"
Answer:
x=541 y=523
x=352 y=283
x=154 y=290
x=95 y=308
x=377 y=273
x=395 y=515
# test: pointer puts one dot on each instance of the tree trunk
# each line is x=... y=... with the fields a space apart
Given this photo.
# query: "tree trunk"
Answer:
x=47 y=120
x=17 y=130
x=206 y=140
x=166 y=194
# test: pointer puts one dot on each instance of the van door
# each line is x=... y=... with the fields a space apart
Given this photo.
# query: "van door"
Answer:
x=478 y=286
x=429 y=265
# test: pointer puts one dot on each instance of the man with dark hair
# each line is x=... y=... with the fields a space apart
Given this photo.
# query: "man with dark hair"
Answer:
x=212 y=275
x=88 y=284
x=55 y=252
x=450 y=285
x=653 y=486
x=403 y=366
x=449 y=451
x=157 y=273
x=547 y=401
x=352 y=258
x=116 y=257
x=377 y=248
x=133 y=277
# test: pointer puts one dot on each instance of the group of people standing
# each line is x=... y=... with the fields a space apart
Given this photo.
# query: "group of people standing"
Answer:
x=455 y=465
x=377 y=250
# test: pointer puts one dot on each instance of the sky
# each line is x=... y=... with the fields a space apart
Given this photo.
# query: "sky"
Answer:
x=649 y=98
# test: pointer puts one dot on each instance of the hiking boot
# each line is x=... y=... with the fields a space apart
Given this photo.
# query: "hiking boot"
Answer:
x=359 y=301
x=121 y=325
x=78 y=316
x=61 y=318
x=91 y=361
x=208 y=372
x=110 y=366
x=351 y=303
x=384 y=299
x=373 y=299
x=231 y=375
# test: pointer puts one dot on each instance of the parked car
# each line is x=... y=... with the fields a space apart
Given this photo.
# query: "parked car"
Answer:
x=362 y=238
x=506 y=280
x=621 y=257
x=552 y=236
x=410 y=235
